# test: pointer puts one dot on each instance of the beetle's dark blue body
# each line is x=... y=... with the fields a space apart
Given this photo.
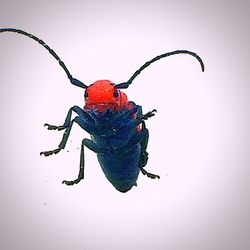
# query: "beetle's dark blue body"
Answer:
x=117 y=127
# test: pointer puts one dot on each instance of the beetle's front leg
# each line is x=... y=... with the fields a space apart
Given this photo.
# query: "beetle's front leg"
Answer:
x=147 y=115
x=62 y=143
x=83 y=119
x=83 y=122
x=66 y=124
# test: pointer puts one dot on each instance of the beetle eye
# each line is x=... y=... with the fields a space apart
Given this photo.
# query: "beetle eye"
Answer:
x=86 y=94
x=116 y=93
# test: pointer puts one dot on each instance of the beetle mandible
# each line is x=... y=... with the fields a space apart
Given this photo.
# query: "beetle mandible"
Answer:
x=117 y=126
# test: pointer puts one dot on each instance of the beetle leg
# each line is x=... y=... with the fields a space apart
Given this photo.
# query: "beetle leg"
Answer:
x=132 y=124
x=78 y=111
x=147 y=115
x=123 y=115
x=82 y=120
x=144 y=144
x=152 y=176
x=62 y=143
x=141 y=137
x=92 y=146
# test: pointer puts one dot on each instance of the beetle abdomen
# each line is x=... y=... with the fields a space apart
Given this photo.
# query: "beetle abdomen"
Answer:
x=121 y=168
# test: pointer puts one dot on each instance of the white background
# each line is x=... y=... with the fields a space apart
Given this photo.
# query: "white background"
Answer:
x=199 y=139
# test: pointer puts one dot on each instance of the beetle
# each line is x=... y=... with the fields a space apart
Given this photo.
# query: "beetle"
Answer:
x=117 y=126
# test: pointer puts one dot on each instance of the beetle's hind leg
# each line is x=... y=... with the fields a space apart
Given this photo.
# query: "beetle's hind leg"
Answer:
x=81 y=170
x=144 y=154
x=150 y=175
x=92 y=146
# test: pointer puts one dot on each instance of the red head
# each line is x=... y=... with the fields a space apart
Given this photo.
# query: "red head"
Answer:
x=102 y=95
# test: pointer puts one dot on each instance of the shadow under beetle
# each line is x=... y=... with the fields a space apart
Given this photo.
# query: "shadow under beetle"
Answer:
x=117 y=127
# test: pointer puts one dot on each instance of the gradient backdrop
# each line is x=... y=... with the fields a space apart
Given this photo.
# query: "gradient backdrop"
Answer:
x=199 y=140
